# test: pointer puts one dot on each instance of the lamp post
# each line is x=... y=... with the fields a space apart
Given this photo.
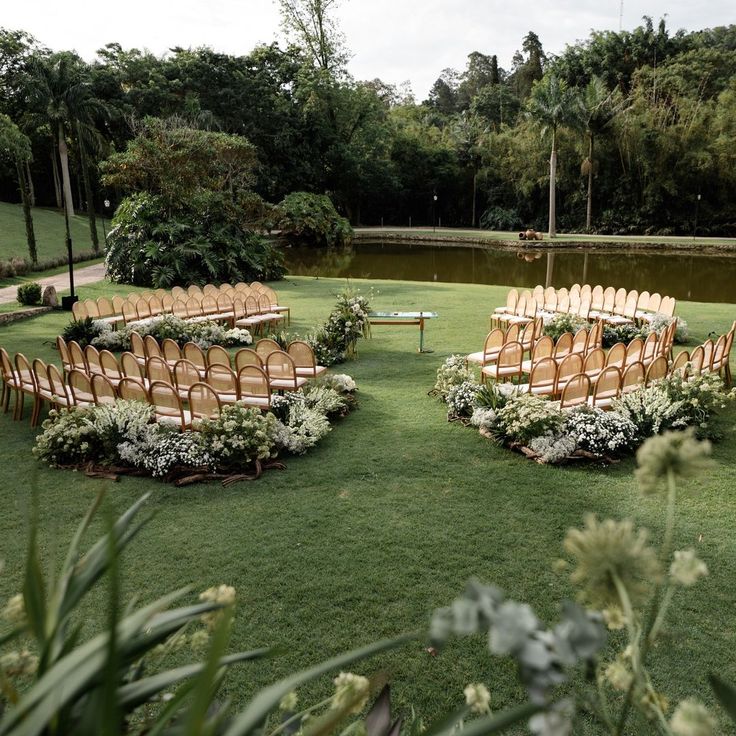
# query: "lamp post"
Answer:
x=697 y=207
x=434 y=213
x=68 y=301
x=104 y=214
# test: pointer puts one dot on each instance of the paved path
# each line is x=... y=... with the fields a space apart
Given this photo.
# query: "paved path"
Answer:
x=86 y=275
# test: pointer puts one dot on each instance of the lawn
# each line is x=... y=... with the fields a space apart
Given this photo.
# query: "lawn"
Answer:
x=387 y=518
x=49 y=228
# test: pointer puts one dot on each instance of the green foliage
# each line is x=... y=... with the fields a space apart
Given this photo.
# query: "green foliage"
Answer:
x=561 y=323
x=83 y=331
x=29 y=293
x=153 y=243
x=312 y=219
x=499 y=218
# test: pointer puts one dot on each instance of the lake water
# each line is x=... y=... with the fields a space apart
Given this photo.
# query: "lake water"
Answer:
x=696 y=277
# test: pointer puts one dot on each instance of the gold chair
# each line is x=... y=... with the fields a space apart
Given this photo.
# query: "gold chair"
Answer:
x=132 y=389
x=563 y=346
x=204 y=403
x=80 y=387
x=607 y=388
x=186 y=374
x=43 y=388
x=265 y=346
x=254 y=387
x=102 y=390
x=679 y=364
x=61 y=395
x=167 y=406
x=656 y=370
x=131 y=367
x=542 y=379
x=11 y=382
x=617 y=355
x=61 y=346
x=171 y=351
x=76 y=356
x=282 y=375
x=246 y=356
x=304 y=360
x=595 y=362
x=92 y=359
x=224 y=381
x=634 y=351
x=151 y=347
x=569 y=366
x=575 y=391
x=217 y=355
x=110 y=367
x=508 y=364
x=157 y=369
x=543 y=348
x=633 y=377
x=192 y=352
x=138 y=347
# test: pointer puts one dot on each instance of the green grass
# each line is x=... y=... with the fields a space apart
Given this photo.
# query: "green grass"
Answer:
x=387 y=518
x=48 y=225
x=498 y=235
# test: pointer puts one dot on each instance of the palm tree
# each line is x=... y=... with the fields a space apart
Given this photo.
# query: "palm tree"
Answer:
x=63 y=95
x=553 y=104
x=598 y=108
x=468 y=134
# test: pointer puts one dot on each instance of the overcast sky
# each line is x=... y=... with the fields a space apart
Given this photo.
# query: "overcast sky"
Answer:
x=395 y=40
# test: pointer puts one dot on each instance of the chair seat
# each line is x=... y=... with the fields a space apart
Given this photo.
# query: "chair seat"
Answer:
x=495 y=371
x=284 y=383
x=174 y=418
x=540 y=389
x=247 y=322
x=113 y=320
x=616 y=319
x=519 y=320
x=309 y=372
x=257 y=402
x=601 y=402
x=599 y=314
x=271 y=317
x=227 y=398
x=483 y=358
x=500 y=310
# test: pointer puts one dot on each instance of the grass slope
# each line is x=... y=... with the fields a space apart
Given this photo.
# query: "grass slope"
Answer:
x=49 y=228
x=386 y=519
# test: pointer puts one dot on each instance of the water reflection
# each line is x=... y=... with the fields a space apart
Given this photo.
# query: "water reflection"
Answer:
x=707 y=278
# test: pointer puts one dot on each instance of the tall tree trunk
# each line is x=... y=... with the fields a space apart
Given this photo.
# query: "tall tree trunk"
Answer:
x=550 y=275
x=88 y=195
x=26 y=199
x=57 y=182
x=475 y=188
x=589 y=208
x=552 y=185
x=66 y=180
x=29 y=182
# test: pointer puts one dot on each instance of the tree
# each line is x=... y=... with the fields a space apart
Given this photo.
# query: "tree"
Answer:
x=552 y=104
x=61 y=91
x=598 y=108
x=16 y=146
x=468 y=132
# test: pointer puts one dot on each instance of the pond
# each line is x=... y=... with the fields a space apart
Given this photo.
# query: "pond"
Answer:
x=692 y=277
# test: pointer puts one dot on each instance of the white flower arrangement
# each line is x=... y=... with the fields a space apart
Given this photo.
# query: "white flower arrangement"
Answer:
x=341 y=382
x=460 y=398
x=600 y=432
x=525 y=416
x=553 y=448
x=452 y=373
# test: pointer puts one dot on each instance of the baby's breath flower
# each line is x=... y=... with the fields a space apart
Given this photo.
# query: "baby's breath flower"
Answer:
x=222 y=594
x=608 y=550
x=677 y=452
x=618 y=675
x=614 y=618
x=199 y=640
x=14 y=611
x=350 y=689
x=687 y=569
x=478 y=698
x=19 y=664
x=692 y=718
x=653 y=702
x=288 y=702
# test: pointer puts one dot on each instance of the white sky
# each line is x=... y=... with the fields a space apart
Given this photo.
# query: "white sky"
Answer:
x=395 y=40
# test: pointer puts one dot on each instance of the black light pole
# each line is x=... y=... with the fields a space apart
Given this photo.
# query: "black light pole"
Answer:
x=434 y=213
x=68 y=301
x=697 y=207
x=104 y=214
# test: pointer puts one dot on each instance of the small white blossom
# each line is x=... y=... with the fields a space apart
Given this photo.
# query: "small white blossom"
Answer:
x=478 y=698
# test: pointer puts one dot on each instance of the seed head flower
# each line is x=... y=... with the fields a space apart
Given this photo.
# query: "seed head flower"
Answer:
x=350 y=689
x=478 y=698
x=687 y=569
x=618 y=675
x=222 y=594
x=608 y=550
x=199 y=640
x=692 y=718
x=14 y=611
x=288 y=702
x=677 y=452
x=614 y=618
x=19 y=664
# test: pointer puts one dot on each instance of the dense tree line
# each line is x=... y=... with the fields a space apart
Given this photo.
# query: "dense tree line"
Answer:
x=640 y=125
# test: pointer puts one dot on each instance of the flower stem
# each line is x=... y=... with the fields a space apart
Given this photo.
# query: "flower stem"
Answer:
x=299 y=716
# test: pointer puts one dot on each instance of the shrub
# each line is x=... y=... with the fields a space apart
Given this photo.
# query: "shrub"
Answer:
x=29 y=293
x=526 y=416
x=600 y=432
x=561 y=323
x=553 y=448
x=451 y=373
x=301 y=425
x=460 y=399
x=499 y=218
x=68 y=438
x=311 y=219
x=620 y=333
x=204 y=239
x=84 y=331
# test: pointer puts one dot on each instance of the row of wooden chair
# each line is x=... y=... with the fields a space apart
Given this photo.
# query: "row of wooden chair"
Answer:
x=90 y=359
x=611 y=305
x=227 y=303
x=710 y=357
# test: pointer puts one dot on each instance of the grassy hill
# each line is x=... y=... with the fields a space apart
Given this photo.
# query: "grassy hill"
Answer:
x=49 y=228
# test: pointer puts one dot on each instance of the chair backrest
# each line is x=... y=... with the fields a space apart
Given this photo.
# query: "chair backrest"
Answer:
x=166 y=402
x=719 y=350
x=521 y=306
x=511 y=298
x=543 y=348
x=117 y=304
x=90 y=306
x=655 y=300
x=157 y=369
x=596 y=297
x=657 y=369
x=210 y=289
x=209 y=304
x=143 y=308
x=633 y=376
x=63 y=349
x=105 y=308
x=563 y=345
x=303 y=355
x=167 y=302
x=109 y=365
x=583 y=309
x=224 y=303
x=511 y=356
x=76 y=356
x=256 y=286
x=8 y=368
x=160 y=293
x=238 y=306
x=619 y=301
x=92 y=358
x=607 y=385
x=152 y=348
x=177 y=292
x=697 y=360
x=80 y=387
x=650 y=347
x=543 y=376
x=58 y=388
x=632 y=300
x=280 y=365
x=586 y=292
x=609 y=299
x=667 y=339
x=580 y=341
x=550 y=299
x=102 y=390
x=155 y=305
x=24 y=372
x=634 y=350
x=132 y=389
x=179 y=309
x=137 y=345
x=531 y=308
x=253 y=383
x=191 y=351
x=595 y=337
x=194 y=307
x=527 y=335
x=193 y=290
x=595 y=361
x=617 y=355
x=129 y=312
x=171 y=350
x=512 y=334
x=41 y=375
x=79 y=312
x=569 y=366
x=130 y=366
x=246 y=356
x=266 y=346
x=538 y=292
x=217 y=355
x=575 y=288
x=203 y=402
x=708 y=348
x=264 y=303
x=575 y=391
x=643 y=302
x=679 y=364
x=223 y=379
x=186 y=374
x=563 y=303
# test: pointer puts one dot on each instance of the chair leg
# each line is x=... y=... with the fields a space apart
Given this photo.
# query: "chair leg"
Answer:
x=5 y=398
x=19 y=401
